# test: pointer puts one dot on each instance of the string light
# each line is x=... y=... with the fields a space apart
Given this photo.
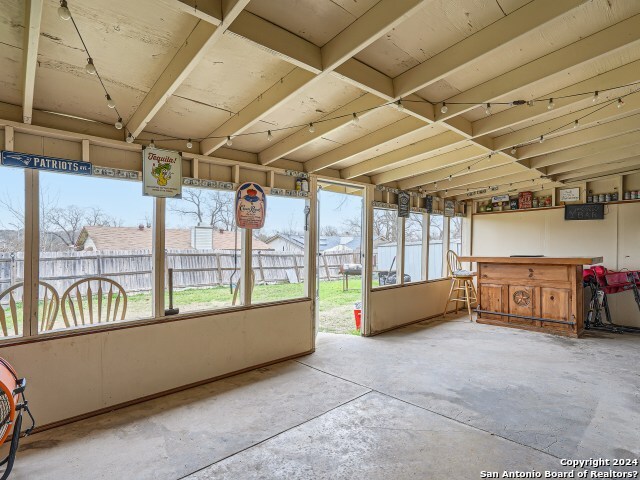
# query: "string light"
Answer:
x=576 y=123
x=110 y=102
x=229 y=141
x=444 y=108
x=90 y=68
x=399 y=105
x=152 y=144
x=63 y=10
x=118 y=123
x=355 y=119
x=541 y=138
x=551 y=104
x=312 y=128
x=450 y=177
x=189 y=144
x=620 y=102
x=595 y=97
x=269 y=136
x=513 y=151
x=130 y=138
x=487 y=109
x=435 y=184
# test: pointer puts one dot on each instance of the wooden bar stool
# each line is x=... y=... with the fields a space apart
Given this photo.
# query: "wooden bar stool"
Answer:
x=461 y=284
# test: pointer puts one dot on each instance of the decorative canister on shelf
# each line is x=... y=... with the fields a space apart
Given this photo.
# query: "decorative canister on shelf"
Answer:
x=627 y=196
x=614 y=197
x=589 y=198
x=607 y=197
x=535 y=202
x=634 y=194
x=513 y=203
x=601 y=198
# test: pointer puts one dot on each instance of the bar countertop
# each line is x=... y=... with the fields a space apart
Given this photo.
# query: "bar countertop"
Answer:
x=534 y=260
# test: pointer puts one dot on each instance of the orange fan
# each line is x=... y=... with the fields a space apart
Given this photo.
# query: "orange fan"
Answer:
x=12 y=405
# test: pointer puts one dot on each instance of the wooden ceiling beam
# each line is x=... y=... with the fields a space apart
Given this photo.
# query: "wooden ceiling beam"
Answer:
x=609 y=167
x=182 y=64
x=574 y=153
x=565 y=123
x=487 y=40
x=580 y=137
x=597 y=45
x=382 y=17
x=535 y=184
x=593 y=160
x=338 y=119
x=486 y=175
x=33 y=19
x=413 y=172
x=512 y=117
x=505 y=180
x=364 y=144
x=428 y=147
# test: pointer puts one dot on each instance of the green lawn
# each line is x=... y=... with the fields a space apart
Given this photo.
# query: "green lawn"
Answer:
x=336 y=306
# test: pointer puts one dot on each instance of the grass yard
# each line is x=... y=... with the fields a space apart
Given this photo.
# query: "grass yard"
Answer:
x=336 y=306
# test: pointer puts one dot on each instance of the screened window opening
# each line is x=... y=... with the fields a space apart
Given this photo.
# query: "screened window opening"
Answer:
x=202 y=252
x=12 y=225
x=385 y=247
x=278 y=257
x=436 y=246
x=95 y=250
x=414 y=252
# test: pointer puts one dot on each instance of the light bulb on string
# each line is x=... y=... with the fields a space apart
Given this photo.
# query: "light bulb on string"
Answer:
x=399 y=105
x=576 y=123
x=355 y=120
x=450 y=177
x=189 y=144
x=90 y=68
x=487 y=109
x=152 y=144
x=63 y=10
x=513 y=151
x=118 y=123
x=435 y=184
x=595 y=97
x=620 y=102
x=110 y=102
x=312 y=127
x=551 y=104
x=130 y=138
x=269 y=136
x=444 y=108
x=229 y=141
x=541 y=138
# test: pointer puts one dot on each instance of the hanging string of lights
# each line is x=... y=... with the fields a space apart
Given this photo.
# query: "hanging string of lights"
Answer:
x=65 y=14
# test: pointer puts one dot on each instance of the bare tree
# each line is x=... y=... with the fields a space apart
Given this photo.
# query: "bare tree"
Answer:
x=206 y=207
x=436 y=227
x=329 y=231
x=66 y=223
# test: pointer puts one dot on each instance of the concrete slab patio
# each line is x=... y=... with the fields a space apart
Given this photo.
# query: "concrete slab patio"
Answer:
x=438 y=400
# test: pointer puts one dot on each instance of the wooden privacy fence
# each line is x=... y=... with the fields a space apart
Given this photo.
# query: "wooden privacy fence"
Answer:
x=191 y=268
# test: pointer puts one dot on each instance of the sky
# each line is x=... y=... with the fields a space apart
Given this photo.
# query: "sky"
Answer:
x=123 y=200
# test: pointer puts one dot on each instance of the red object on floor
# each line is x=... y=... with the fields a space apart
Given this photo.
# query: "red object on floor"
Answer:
x=358 y=316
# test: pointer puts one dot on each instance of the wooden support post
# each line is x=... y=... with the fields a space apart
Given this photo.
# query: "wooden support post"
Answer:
x=367 y=258
x=31 y=254
x=262 y=279
x=158 y=257
x=9 y=138
x=246 y=266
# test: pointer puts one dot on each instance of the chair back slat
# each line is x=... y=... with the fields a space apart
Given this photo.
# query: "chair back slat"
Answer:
x=90 y=310
x=453 y=262
x=50 y=306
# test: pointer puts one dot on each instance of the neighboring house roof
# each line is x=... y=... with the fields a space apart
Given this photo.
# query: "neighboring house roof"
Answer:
x=136 y=238
x=334 y=242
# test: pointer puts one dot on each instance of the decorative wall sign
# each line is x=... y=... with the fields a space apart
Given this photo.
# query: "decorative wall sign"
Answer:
x=116 y=173
x=388 y=206
x=404 y=204
x=294 y=173
x=251 y=206
x=570 y=194
x=41 y=162
x=428 y=203
x=196 y=182
x=500 y=198
x=161 y=173
x=449 y=208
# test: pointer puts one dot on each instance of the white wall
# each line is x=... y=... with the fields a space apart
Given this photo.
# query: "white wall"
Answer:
x=545 y=232
x=77 y=375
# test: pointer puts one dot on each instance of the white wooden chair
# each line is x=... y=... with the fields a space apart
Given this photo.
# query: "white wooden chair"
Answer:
x=49 y=303
x=461 y=283
x=78 y=309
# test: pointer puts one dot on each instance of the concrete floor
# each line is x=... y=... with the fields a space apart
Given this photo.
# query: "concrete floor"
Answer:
x=438 y=401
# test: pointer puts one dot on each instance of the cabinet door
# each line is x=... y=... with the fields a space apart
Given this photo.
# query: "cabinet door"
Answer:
x=522 y=301
x=555 y=303
x=491 y=299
